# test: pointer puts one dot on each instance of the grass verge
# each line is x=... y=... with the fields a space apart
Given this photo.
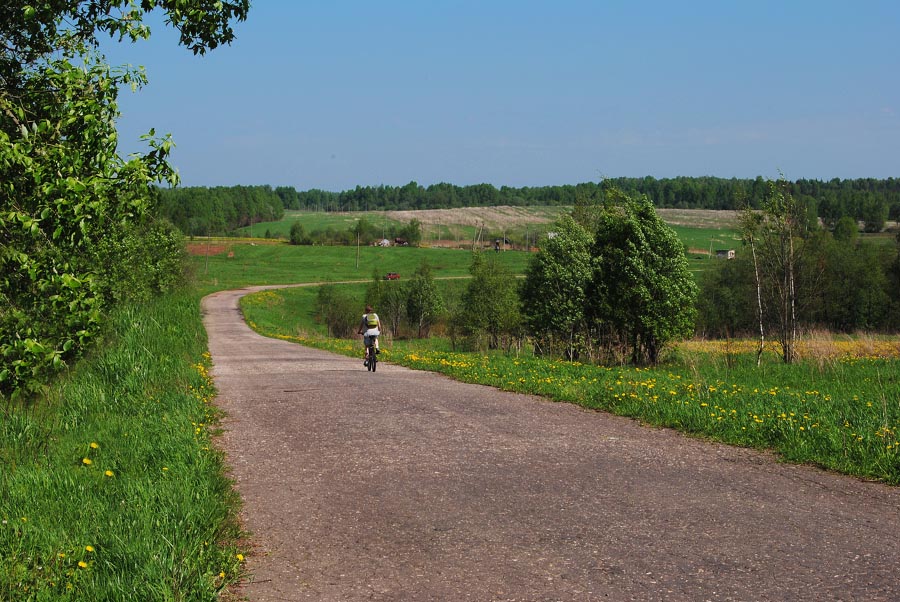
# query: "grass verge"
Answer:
x=111 y=488
x=840 y=412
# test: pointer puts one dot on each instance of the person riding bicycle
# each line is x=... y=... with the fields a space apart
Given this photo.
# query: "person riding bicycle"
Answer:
x=369 y=327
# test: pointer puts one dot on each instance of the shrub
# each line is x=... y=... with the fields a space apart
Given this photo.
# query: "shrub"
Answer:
x=338 y=311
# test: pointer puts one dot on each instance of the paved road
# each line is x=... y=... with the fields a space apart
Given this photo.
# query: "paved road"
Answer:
x=404 y=485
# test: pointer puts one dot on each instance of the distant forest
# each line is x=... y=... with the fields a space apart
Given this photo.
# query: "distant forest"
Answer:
x=200 y=210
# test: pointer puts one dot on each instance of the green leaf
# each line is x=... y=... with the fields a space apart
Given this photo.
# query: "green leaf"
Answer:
x=71 y=282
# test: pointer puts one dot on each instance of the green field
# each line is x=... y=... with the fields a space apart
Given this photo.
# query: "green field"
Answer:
x=286 y=264
x=315 y=220
x=283 y=264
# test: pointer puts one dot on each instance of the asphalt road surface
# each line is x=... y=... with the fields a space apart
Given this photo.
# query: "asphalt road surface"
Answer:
x=404 y=485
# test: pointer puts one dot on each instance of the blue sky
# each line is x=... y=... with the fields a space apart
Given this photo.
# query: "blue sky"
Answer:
x=337 y=94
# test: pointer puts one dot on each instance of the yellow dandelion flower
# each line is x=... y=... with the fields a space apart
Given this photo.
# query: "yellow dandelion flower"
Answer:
x=89 y=548
x=94 y=445
x=240 y=557
x=86 y=461
x=82 y=564
x=108 y=473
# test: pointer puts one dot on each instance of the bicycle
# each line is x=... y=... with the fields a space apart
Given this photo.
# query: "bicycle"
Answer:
x=372 y=354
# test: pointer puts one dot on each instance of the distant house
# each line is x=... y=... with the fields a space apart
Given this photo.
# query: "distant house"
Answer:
x=724 y=253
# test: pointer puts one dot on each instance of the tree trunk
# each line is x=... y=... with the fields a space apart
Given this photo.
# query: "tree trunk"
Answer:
x=759 y=306
x=792 y=296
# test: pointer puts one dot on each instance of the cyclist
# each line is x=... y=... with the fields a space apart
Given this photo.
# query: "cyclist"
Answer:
x=369 y=327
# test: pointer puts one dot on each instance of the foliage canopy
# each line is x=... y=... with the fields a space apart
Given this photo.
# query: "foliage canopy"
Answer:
x=64 y=190
x=554 y=294
x=642 y=293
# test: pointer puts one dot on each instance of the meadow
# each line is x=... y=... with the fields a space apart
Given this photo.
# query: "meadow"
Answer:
x=253 y=264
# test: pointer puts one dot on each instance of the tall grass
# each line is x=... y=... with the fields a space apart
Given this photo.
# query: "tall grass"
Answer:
x=111 y=489
x=839 y=408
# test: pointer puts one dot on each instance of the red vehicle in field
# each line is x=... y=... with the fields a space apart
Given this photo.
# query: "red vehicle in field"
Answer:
x=392 y=276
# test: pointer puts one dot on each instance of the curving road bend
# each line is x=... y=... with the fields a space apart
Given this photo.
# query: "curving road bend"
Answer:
x=406 y=486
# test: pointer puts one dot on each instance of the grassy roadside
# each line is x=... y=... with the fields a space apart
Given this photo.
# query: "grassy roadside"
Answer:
x=111 y=489
x=839 y=411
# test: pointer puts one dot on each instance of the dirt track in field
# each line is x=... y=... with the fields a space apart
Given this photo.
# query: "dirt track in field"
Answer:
x=406 y=486
x=497 y=218
x=493 y=218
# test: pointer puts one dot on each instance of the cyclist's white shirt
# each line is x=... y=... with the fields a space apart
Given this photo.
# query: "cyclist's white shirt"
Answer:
x=371 y=332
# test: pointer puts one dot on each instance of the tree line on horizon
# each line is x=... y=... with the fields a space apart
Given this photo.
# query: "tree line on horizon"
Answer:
x=223 y=209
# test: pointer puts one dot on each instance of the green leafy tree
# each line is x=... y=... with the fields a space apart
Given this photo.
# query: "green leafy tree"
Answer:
x=412 y=232
x=393 y=306
x=298 y=235
x=389 y=300
x=642 y=293
x=338 y=311
x=854 y=294
x=424 y=304
x=894 y=287
x=780 y=250
x=846 y=230
x=750 y=223
x=726 y=304
x=554 y=293
x=489 y=314
x=874 y=212
x=364 y=232
x=375 y=290
x=63 y=188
